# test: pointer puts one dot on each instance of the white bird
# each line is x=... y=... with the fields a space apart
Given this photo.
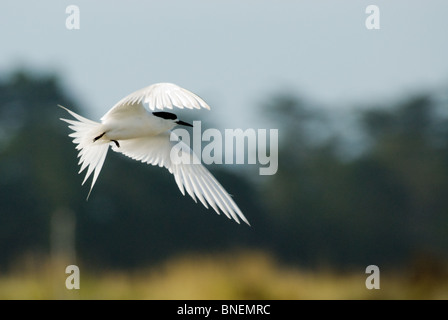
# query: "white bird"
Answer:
x=144 y=134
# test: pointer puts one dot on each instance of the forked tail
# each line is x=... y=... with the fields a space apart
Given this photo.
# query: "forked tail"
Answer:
x=91 y=153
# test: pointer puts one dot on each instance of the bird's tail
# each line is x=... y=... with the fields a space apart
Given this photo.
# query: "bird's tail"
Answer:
x=92 y=153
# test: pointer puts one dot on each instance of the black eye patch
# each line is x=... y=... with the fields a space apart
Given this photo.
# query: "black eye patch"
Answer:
x=165 y=115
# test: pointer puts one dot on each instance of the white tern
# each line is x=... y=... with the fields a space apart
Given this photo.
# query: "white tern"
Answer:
x=144 y=134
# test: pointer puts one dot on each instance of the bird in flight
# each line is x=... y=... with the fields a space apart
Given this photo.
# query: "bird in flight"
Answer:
x=144 y=134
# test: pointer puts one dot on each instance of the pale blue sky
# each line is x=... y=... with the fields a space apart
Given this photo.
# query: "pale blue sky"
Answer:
x=233 y=53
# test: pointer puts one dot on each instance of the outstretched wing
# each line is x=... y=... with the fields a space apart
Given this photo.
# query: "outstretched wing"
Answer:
x=158 y=96
x=192 y=177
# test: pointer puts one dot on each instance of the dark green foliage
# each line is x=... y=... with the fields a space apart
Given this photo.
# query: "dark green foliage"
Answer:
x=382 y=207
x=385 y=206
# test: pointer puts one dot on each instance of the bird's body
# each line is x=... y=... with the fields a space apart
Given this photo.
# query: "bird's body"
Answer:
x=144 y=135
x=130 y=126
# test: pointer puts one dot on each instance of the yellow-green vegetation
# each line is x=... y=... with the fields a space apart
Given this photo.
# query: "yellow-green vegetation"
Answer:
x=240 y=275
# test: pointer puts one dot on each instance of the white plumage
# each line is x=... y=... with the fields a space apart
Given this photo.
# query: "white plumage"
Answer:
x=131 y=129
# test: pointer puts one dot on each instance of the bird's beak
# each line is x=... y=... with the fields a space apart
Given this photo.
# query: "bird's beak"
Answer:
x=183 y=123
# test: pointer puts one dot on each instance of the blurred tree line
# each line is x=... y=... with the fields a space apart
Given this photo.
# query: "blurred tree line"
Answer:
x=385 y=205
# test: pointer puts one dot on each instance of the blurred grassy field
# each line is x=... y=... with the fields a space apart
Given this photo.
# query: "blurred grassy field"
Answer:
x=240 y=275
